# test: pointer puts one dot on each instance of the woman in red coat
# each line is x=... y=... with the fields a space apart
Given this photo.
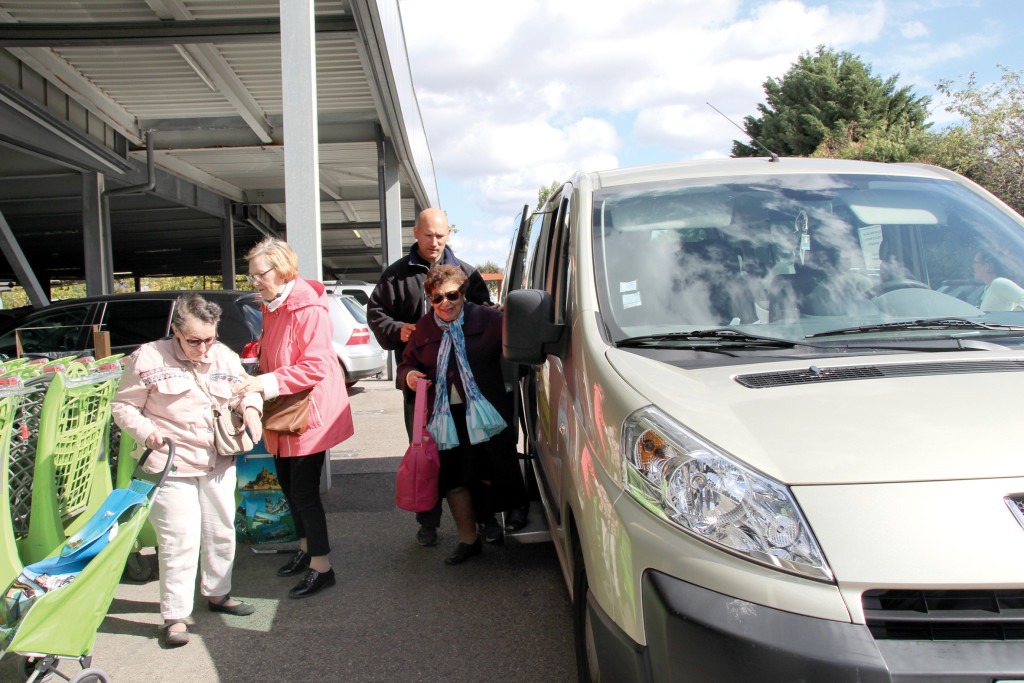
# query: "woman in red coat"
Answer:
x=458 y=348
x=295 y=355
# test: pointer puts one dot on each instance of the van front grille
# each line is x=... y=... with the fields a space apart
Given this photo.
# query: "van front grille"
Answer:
x=814 y=374
x=945 y=615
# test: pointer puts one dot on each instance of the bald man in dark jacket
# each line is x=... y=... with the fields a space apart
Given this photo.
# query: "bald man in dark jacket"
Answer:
x=398 y=301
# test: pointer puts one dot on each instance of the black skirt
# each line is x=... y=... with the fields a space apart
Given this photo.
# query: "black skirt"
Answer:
x=495 y=460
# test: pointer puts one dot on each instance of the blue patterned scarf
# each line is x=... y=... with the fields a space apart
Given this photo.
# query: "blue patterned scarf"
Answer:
x=482 y=420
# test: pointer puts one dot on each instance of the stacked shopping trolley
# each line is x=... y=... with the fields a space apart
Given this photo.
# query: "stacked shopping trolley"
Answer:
x=65 y=532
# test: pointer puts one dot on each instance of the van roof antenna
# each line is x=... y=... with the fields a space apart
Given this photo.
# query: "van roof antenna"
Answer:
x=773 y=155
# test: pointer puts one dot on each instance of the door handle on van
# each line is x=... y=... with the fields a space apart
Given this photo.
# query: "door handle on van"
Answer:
x=529 y=331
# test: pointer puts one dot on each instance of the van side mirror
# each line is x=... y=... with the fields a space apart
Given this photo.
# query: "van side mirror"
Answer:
x=529 y=332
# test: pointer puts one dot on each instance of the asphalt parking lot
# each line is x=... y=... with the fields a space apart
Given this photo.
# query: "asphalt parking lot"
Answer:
x=397 y=613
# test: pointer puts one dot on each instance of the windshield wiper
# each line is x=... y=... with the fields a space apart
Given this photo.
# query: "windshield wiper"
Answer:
x=719 y=334
x=922 y=324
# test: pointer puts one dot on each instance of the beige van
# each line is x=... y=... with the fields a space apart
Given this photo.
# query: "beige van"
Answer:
x=774 y=409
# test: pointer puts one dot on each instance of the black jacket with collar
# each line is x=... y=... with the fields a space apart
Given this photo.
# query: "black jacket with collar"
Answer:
x=398 y=297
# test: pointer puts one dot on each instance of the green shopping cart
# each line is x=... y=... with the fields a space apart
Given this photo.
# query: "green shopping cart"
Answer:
x=52 y=609
x=70 y=475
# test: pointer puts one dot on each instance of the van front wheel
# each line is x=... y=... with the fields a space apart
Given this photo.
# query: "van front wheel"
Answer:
x=587 y=667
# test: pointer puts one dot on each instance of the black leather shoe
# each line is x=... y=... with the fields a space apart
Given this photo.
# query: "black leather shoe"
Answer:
x=427 y=536
x=298 y=564
x=517 y=518
x=312 y=583
x=490 y=530
x=464 y=551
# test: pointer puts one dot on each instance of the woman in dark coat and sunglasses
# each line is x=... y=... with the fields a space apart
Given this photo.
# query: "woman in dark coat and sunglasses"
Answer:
x=457 y=346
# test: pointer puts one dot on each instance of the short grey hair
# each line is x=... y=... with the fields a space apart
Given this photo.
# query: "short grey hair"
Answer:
x=194 y=306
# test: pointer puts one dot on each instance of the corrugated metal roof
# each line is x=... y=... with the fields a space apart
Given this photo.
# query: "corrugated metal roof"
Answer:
x=225 y=138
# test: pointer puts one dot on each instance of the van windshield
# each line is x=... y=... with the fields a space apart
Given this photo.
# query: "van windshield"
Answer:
x=788 y=256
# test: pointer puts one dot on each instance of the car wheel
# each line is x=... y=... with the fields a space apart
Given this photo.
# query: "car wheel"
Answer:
x=344 y=376
x=588 y=668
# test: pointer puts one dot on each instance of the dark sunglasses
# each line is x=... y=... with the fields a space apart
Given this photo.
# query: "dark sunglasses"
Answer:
x=451 y=296
x=194 y=343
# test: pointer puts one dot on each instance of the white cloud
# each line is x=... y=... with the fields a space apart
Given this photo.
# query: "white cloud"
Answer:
x=913 y=29
x=517 y=94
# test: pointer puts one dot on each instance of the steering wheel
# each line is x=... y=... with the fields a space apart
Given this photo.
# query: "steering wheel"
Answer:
x=886 y=287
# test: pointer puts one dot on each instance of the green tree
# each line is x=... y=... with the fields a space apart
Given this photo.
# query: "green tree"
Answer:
x=545 y=192
x=493 y=286
x=829 y=104
x=75 y=289
x=988 y=146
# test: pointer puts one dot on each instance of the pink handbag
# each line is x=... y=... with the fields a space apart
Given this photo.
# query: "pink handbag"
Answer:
x=416 y=483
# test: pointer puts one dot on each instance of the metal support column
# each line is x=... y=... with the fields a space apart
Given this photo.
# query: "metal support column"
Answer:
x=227 y=248
x=22 y=270
x=390 y=214
x=99 y=271
x=301 y=156
x=390 y=201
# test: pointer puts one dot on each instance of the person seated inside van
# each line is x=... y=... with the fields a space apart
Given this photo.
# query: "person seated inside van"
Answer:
x=1001 y=292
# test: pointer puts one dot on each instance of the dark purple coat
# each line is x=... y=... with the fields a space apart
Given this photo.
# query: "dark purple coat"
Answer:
x=482 y=329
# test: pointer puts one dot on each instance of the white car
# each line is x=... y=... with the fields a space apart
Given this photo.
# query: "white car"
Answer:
x=358 y=289
x=358 y=352
x=771 y=442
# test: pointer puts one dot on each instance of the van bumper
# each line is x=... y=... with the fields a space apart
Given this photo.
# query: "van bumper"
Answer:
x=695 y=634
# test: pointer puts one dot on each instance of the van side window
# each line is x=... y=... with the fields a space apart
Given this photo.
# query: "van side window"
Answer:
x=60 y=327
x=558 y=263
x=132 y=323
x=540 y=242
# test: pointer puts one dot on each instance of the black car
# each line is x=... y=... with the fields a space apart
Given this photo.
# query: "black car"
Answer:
x=65 y=327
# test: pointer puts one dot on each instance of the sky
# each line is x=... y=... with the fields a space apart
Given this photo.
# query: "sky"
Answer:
x=515 y=94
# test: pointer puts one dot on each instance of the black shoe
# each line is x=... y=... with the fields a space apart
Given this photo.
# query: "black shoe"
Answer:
x=491 y=530
x=312 y=583
x=427 y=536
x=242 y=609
x=517 y=518
x=298 y=564
x=464 y=551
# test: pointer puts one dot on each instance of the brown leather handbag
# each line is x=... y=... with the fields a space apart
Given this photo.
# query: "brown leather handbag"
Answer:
x=284 y=414
x=287 y=414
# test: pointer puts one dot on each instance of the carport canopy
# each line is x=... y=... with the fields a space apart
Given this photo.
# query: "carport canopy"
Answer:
x=148 y=138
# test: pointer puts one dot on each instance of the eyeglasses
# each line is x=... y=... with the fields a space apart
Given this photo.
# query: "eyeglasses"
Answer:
x=194 y=343
x=451 y=296
x=253 y=277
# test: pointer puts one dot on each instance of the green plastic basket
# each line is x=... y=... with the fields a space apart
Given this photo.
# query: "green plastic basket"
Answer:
x=71 y=477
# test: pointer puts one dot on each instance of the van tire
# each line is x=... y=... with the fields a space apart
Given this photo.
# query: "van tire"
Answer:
x=587 y=667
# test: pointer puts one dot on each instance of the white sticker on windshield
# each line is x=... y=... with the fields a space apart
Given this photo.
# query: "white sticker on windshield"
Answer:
x=627 y=286
x=631 y=300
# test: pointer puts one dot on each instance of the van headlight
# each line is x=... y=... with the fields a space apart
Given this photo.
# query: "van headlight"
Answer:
x=711 y=495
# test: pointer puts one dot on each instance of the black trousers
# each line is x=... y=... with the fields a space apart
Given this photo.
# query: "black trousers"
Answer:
x=432 y=517
x=300 y=482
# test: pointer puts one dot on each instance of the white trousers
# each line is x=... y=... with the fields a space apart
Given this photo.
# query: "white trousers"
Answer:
x=193 y=516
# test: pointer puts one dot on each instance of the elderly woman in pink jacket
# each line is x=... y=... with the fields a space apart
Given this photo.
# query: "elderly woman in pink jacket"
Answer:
x=295 y=355
x=169 y=391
